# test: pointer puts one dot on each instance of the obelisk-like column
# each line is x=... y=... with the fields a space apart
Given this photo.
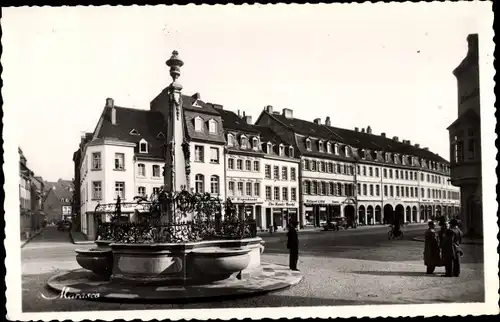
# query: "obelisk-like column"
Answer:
x=175 y=165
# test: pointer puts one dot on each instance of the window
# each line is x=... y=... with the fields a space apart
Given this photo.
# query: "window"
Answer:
x=293 y=174
x=339 y=168
x=406 y=175
x=214 y=155
x=141 y=191
x=376 y=172
x=416 y=192
x=428 y=193
x=256 y=166
x=385 y=173
x=198 y=124
x=269 y=148
x=255 y=143
x=377 y=190
x=231 y=188
x=428 y=178
x=143 y=146
x=96 y=190
x=308 y=144
x=284 y=193
x=290 y=152
x=371 y=190
x=370 y=171
x=119 y=161
x=471 y=149
x=306 y=187
x=422 y=178
x=267 y=171
x=199 y=152
x=321 y=188
x=385 y=191
x=281 y=150
x=199 y=180
x=96 y=160
x=239 y=164
x=293 y=194
x=230 y=140
x=240 y=188
x=314 y=187
x=411 y=175
x=329 y=147
x=276 y=193
x=284 y=173
x=244 y=142
x=313 y=165
x=336 y=149
x=364 y=190
x=422 y=192
x=212 y=127
x=397 y=191
x=322 y=166
x=268 y=193
x=156 y=190
x=248 y=165
x=364 y=170
x=397 y=174
x=156 y=170
x=411 y=192
x=276 y=173
x=230 y=164
x=331 y=188
x=256 y=189
x=120 y=189
x=320 y=146
x=141 y=170
x=214 y=184
x=359 y=189
x=330 y=167
x=248 y=188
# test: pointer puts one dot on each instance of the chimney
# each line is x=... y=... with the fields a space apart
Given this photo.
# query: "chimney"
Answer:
x=328 y=122
x=395 y=138
x=269 y=109
x=217 y=106
x=356 y=129
x=196 y=96
x=369 y=130
x=110 y=104
x=239 y=114
x=288 y=113
x=317 y=121
x=363 y=130
x=408 y=142
x=426 y=149
x=417 y=145
x=247 y=118
x=382 y=134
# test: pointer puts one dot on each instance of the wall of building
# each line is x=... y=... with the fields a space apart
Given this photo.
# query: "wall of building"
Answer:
x=207 y=168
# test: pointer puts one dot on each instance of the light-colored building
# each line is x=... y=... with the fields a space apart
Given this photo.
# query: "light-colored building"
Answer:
x=366 y=178
x=465 y=141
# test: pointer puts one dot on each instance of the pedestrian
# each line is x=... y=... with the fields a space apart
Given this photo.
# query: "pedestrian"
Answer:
x=275 y=226
x=450 y=248
x=432 y=256
x=293 y=245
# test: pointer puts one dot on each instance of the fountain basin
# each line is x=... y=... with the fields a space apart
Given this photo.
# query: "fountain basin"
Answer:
x=220 y=262
x=99 y=261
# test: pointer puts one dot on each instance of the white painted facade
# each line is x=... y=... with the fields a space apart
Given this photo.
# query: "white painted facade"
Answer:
x=206 y=170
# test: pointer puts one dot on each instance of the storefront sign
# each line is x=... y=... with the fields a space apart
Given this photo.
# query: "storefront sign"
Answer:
x=243 y=199
x=282 y=204
x=321 y=202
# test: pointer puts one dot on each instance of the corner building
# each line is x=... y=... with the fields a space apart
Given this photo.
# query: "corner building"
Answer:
x=366 y=178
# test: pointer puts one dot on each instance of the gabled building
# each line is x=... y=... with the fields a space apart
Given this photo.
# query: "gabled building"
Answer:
x=57 y=202
x=366 y=178
x=465 y=140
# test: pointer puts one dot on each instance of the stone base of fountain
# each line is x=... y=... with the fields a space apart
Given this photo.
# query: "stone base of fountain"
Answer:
x=267 y=277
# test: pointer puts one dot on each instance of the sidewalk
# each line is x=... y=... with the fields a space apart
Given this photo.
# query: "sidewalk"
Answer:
x=79 y=238
x=465 y=240
x=26 y=241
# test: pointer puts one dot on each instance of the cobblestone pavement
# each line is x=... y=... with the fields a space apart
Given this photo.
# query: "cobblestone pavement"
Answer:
x=340 y=268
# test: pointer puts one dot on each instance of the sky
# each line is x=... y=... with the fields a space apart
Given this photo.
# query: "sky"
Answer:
x=388 y=66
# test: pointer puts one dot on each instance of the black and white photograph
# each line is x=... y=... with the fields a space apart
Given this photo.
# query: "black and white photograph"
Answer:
x=252 y=161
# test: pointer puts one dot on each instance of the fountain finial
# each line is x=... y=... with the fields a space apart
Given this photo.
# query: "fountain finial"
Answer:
x=175 y=64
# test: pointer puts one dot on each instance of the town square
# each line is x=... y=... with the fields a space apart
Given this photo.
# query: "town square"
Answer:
x=195 y=178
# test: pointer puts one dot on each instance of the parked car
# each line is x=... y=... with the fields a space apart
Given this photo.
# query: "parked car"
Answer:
x=64 y=225
x=336 y=224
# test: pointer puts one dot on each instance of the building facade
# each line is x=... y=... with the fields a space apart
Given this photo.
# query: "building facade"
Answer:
x=366 y=178
x=465 y=141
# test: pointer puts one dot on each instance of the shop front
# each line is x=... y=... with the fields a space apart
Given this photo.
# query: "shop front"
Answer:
x=319 y=211
x=248 y=207
x=279 y=214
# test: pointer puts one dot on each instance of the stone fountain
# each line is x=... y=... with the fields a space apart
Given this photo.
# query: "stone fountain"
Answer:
x=181 y=245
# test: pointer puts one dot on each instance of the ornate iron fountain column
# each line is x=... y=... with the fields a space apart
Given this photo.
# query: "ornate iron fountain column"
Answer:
x=175 y=175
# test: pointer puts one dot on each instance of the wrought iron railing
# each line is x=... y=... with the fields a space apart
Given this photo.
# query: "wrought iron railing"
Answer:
x=174 y=218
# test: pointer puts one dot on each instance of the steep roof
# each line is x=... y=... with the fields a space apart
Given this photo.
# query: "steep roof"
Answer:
x=353 y=138
x=268 y=135
x=206 y=112
x=232 y=121
x=147 y=125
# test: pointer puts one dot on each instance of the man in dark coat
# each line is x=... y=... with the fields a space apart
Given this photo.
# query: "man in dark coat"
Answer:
x=451 y=251
x=293 y=245
x=397 y=227
x=432 y=256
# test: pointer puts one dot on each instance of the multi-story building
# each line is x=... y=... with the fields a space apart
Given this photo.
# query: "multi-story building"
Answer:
x=465 y=140
x=58 y=200
x=363 y=177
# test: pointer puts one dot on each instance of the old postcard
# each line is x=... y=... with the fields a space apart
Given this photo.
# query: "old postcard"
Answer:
x=200 y=162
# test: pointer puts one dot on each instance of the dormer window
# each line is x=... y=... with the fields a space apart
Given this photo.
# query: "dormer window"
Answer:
x=143 y=146
x=396 y=158
x=320 y=146
x=212 y=127
x=308 y=144
x=282 y=150
x=134 y=132
x=362 y=154
x=196 y=104
x=346 y=151
x=336 y=149
x=160 y=135
x=230 y=140
x=244 y=142
x=198 y=124
x=255 y=143
x=387 y=157
x=269 y=148
x=290 y=152
x=328 y=147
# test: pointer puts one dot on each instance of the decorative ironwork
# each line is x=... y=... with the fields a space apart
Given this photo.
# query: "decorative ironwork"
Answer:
x=195 y=217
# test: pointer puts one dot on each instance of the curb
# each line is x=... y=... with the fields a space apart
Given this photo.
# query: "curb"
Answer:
x=463 y=243
x=83 y=242
x=29 y=239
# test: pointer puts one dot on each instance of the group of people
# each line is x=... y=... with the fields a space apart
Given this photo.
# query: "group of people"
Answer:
x=443 y=248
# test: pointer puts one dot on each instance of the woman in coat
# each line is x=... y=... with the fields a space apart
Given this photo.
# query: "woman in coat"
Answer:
x=432 y=256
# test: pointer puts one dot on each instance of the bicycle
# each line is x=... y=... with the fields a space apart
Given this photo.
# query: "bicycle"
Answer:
x=390 y=234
